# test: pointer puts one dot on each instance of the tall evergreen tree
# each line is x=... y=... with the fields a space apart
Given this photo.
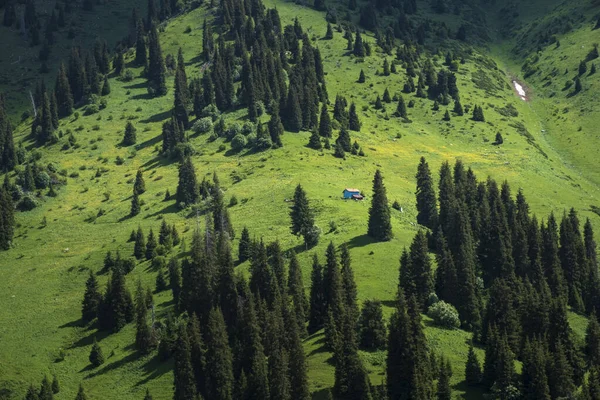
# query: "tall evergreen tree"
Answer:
x=472 y=368
x=303 y=219
x=296 y=292
x=183 y=372
x=64 y=97
x=7 y=219
x=91 y=298
x=187 y=188
x=156 y=64
x=145 y=341
x=353 y=121
x=318 y=307
x=426 y=200
x=380 y=227
x=129 y=138
x=182 y=94
x=219 y=369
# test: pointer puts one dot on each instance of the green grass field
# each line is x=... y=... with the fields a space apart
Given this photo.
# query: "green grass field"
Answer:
x=42 y=277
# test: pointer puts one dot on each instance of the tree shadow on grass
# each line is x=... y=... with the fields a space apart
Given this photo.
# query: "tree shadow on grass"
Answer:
x=140 y=85
x=360 y=241
x=150 y=142
x=170 y=209
x=155 y=368
x=158 y=161
x=117 y=364
x=157 y=117
x=89 y=339
x=141 y=96
x=74 y=324
x=389 y=303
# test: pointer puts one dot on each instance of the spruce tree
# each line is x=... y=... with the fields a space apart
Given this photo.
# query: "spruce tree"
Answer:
x=353 y=121
x=116 y=309
x=380 y=227
x=325 y=123
x=141 y=55
x=401 y=108
x=105 y=87
x=135 y=204
x=359 y=46
x=444 y=391
x=145 y=340
x=31 y=394
x=314 y=142
x=275 y=129
x=187 y=188
x=361 y=77
x=318 y=308
x=183 y=372
x=151 y=245
x=592 y=341
x=91 y=298
x=292 y=113
x=350 y=292
x=64 y=97
x=129 y=138
x=219 y=369
x=140 y=244
x=372 y=329
x=139 y=186
x=182 y=95
x=7 y=218
x=296 y=292
x=96 y=356
x=534 y=379
x=303 y=219
x=156 y=65
x=245 y=246
x=426 y=200
x=420 y=268
x=472 y=368
x=329 y=33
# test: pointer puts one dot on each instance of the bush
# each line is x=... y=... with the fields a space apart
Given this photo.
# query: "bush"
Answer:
x=91 y=109
x=444 y=314
x=233 y=201
x=238 y=142
x=211 y=111
x=234 y=130
x=127 y=76
x=42 y=180
x=203 y=125
x=248 y=128
x=27 y=203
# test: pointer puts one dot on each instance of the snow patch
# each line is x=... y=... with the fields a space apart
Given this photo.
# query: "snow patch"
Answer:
x=520 y=91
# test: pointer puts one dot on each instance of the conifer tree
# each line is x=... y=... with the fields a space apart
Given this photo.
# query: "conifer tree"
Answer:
x=116 y=308
x=350 y=292
x=361 y=77
x=275 y=129
x=244 y=250
x=359 y=46
x=478 y=114
x=135 y=204
x=386 y=96
x=292 y=114
x=296 y=292
x=318 y=308
x=145 y=340
x=187 y=188
x=219 y=369
x=329 y=33
x=353 y=121
x=129 y=138
x=534 y=379
x=105 y=87
x=140 y=244
x=96 y=356
x=472 y=368
x=380 y=227
x=592 y=341
x=7 y=219
x=182 y=95
x=91 y=298
x=31 y=394
x=141 y=55
x=372 y=329
x=183 y=372
x=401 y=108
x=156 y=65
x=64 y=97
x=426 y=200
x=151 y=245
x=444 y=391
x=314 y=142
x=139 y=186
x=303 y=219
x=325 y=123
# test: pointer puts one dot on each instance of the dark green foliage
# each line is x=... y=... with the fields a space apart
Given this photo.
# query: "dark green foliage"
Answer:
x=534 y=379
x=592 y=341
x=401 y=108
x=116 y=308
x=498 y=140
x=386 y=96
x=139 y=186
x=407 y=364
x=151 y=244
x=314 y=142
x=141 y=55
x=187 y=188
x=7 y=219
x=140 y=244
x=135 y=204
x=303 y=219
x=426 y=201
x=64 y=97
x=245 y=246
x=458 y=108
x=472 y=368
x=46 y=390
x=446 y=116
x=444 y=391
x=156 y=65
x=292 y=114
x=419 y=282
x=582 y=68
x=380 y=227
x=219 y=370
x=325 y=123
x=129 y=138
x=329 y=33
x=361 y=77
x=372 y=329
x=91 y=298
x=296 y=291
x=148 y=396
x=96 y=356
x=318 y=308
x=353 y=121
x=478 y=114
x=182 y=97
x=105 y=87
x=275 y=129
x=183 y=372
x=81 y=394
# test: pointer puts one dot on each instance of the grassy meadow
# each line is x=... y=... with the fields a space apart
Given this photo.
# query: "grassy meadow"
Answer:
x=42 y=277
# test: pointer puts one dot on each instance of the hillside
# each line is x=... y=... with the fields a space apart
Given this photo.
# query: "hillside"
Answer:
x=548 y=150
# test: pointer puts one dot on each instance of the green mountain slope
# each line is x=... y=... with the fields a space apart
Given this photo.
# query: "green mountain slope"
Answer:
x=42 y=277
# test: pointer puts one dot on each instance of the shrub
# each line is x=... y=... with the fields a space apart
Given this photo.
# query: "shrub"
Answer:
x=27 y=203
x=233 y=201
x=91 y=109
x=248 y=128
x=238 y=142
x=444 y=314
x=42 y=180
x=203 y=125
x=234 y=130
x=211 y=111
x=396 y=205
